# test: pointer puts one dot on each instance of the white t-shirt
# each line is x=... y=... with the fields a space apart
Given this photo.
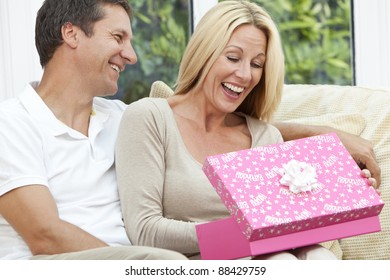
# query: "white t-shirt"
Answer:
x=38 y=149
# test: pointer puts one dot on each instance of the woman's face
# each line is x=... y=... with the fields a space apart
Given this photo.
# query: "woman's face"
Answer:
x=238 y=69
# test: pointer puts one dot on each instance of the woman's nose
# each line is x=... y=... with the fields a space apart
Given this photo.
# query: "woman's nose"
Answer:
x=244 y=71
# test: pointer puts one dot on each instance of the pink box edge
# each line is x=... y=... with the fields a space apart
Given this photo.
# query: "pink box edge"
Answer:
x=227 y=232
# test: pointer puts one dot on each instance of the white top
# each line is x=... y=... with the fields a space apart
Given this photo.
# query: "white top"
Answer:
x=37 y=149
x=163 y=188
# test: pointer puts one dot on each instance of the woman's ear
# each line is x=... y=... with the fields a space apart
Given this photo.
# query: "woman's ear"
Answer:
x=70 y=34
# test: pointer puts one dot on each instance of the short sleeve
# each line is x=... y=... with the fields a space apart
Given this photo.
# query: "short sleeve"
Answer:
x=21 y=146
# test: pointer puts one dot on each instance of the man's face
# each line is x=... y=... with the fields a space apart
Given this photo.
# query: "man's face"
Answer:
x=107 y=52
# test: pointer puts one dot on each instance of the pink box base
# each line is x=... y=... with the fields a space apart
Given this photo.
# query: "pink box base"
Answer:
x=223 y=239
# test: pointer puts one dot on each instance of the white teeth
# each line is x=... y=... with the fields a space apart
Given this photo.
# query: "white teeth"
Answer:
x=234 y=88
x=115 y=67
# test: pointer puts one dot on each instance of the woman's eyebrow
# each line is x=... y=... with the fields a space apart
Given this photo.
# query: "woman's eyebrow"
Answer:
x=242 y=50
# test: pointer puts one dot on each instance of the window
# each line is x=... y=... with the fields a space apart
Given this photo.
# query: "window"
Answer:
x=316 y=38
x=315 y=33
x=369 y=62
x=161 y=32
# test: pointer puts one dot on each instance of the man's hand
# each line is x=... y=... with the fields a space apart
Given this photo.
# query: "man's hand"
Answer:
x=363 y=153
x=361 y=150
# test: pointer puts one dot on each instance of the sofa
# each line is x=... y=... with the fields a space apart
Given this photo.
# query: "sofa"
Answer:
x=357 y=110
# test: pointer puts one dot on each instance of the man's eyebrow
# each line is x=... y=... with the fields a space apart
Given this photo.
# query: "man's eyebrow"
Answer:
x=121 y=30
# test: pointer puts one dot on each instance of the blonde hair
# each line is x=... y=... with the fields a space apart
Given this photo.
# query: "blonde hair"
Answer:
x=210 y=38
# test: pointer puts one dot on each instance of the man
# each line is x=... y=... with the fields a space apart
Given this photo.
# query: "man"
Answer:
x=58 y=194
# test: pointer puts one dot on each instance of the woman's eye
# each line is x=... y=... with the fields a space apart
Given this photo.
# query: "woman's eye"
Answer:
x=233 y=59
x=256 y=65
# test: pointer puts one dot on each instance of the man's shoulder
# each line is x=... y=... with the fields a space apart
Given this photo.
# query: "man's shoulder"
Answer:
x=14 y=105
x=5 y=104
x=109 y=104
x=11 y=108
x=16 y=122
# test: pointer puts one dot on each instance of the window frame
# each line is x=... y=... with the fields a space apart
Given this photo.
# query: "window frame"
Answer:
x=371 y=42
x=198 y=9
x=19 y=58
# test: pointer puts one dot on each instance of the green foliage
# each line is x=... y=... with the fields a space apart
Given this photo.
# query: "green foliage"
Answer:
x=316 y=39
x=160 y=30
x=315 y=35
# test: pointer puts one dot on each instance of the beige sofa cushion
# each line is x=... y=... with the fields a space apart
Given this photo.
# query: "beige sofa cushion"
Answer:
x=351 y=123
x=160 y=89
x=361 y=111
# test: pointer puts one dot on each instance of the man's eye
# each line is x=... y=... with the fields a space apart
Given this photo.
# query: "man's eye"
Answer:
x=118 y=38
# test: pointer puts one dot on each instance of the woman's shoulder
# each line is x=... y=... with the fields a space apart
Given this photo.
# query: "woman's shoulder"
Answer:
x=147 y=108
x=263 y=130
x=148 y=103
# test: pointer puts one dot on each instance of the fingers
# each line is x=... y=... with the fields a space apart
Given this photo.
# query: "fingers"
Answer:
x=375 y=171
x=371 y=180
x=371 y=164
x=363 y=153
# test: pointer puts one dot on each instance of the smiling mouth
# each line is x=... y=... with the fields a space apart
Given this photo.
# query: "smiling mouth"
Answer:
x=233 y=90
x=115 y=67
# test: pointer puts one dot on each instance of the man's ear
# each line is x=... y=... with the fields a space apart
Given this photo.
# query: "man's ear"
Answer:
x=70 y=34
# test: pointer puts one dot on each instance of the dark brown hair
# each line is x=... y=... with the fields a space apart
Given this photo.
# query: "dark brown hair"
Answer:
x=55 y=13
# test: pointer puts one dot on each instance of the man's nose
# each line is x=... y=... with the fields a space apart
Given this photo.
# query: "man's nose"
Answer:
x=129 y=54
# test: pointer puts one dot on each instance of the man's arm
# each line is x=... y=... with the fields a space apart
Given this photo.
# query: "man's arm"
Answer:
x=32 y=212
x=360 y=149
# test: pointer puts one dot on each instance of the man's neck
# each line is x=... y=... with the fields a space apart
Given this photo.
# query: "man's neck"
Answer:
x=68 y=103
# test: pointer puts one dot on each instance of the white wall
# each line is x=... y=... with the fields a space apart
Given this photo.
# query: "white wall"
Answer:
x=200 y=7
x=372 y=43
x=19 y=62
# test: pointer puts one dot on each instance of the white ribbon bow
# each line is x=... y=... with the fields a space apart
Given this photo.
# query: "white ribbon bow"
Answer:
x=298 y=176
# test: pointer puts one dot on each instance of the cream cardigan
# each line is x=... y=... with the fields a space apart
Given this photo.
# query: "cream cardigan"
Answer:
x=163 y=189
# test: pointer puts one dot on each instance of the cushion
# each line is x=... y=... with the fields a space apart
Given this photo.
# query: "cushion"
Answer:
x=351 y=123
x=160 y=89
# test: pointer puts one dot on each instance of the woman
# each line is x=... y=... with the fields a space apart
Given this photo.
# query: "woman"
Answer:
x=229 y=84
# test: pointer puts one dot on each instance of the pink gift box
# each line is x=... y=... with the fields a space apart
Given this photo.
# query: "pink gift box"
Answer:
x=267 y=217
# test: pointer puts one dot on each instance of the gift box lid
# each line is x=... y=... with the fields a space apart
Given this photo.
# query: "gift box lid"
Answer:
x=330 y=186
